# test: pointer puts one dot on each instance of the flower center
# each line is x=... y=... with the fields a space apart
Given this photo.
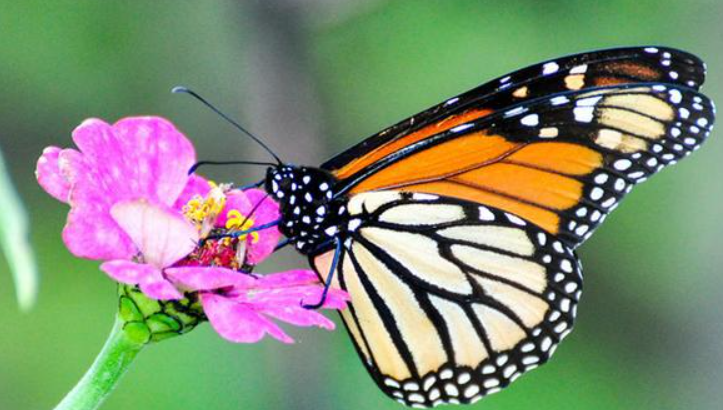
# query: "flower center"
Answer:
x=204 y=213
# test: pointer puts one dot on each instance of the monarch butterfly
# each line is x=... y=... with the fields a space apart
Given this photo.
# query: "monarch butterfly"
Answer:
x=454 y=231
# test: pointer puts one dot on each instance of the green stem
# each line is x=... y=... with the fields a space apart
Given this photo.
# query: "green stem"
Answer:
x=100 y=380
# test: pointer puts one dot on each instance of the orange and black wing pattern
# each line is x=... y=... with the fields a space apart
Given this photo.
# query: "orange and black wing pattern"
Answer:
x=571 y=73
x=557 y=144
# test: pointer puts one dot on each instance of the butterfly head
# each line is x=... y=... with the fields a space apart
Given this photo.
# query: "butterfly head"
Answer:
x=308 y=206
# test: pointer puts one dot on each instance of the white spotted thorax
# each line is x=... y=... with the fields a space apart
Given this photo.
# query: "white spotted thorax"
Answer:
x=310 y=213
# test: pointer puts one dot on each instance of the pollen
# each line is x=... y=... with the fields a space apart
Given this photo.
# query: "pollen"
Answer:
x=203 y=211
x=237 y=221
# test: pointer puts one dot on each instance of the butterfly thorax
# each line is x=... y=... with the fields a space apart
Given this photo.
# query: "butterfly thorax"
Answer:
x=310 y=213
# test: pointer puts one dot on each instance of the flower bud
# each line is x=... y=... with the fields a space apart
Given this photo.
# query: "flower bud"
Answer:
x=147 y=320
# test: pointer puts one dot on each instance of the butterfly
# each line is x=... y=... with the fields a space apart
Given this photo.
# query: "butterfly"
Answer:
x=454 y=231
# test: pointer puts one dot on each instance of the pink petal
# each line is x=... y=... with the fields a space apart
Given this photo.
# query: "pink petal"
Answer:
x=144 y=157
x=90 y=232
x=291 y=288
x=294 y=297
x=128 y=272
x=196 y=186
x=335 y=298
x=137 y=157
x=289 y=278
x=163 y=236
x=150 y=279
x=235 y=200
x=208 y=278
x=266 y=212
x=49 y=176
x=161 y=290
x=299 y=316
x=238 y=323
x=295 y=287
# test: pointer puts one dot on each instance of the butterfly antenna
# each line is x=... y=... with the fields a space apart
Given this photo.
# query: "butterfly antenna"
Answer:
x=204 y=163
x=185 y=90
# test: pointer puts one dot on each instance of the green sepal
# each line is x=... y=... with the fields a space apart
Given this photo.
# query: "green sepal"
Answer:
x=147 y=320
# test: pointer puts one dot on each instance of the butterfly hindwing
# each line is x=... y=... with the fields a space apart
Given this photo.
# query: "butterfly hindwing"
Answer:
x=451 y=300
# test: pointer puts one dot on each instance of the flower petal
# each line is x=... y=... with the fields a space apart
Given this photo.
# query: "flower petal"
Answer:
x=49 y=176
x=142 y=157
x=196 y=186
x=235 y=200
x=199 y=278
x=128 y=272
x=237 y=322
x=294 y=296
x=161 y=290
x=90 y=231
x=163 y=236
x=289 y=278
x=299 y=316
x=291 y=288
x=266 y=212
x=137 y=157
x=149 y=278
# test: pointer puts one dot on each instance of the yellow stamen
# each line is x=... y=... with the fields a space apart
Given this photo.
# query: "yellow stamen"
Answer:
x=203 y=211
x=236 y=220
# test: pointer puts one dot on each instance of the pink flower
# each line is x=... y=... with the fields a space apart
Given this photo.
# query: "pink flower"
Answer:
x=134 y=206
x=240 y=307
x=135 y=158
x=144 y=157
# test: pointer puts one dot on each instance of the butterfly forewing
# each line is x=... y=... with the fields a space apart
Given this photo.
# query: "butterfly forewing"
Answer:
x=571 y=73
x=451 y=300
x=562 y=162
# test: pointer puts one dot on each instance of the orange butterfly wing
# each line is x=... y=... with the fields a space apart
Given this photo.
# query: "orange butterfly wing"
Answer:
x=561 y=161
x=571 y=73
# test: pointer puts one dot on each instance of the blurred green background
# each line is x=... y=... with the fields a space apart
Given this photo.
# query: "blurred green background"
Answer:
x=312 y=77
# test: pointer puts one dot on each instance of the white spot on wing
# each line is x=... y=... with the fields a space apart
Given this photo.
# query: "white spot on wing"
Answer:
x=485 y=214
x=580 y=69
x=559 y=100
x=515 y=111
x=588 y=102
x=550 y=68
x=461 y=128
x=515 y=220
x=530 y=120
x=584 y=114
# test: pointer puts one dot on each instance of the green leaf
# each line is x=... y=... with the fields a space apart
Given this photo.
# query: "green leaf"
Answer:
x=14 y=241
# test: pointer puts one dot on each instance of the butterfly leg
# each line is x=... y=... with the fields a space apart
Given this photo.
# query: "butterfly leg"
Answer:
x=329 y=277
